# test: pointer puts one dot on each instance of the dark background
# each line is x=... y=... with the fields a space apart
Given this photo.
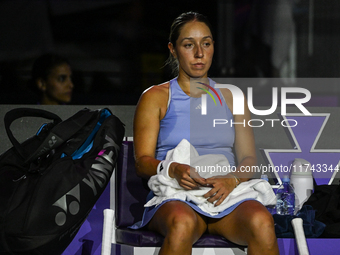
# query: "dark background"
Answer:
x=117 y=48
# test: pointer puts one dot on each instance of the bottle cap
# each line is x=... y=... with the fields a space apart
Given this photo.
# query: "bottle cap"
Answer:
x=301 y=167
x=264 y=177
x=285 y=178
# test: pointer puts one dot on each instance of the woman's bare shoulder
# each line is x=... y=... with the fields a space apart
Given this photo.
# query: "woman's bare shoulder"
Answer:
x=228 y=97
x=155 y=96
x=156 y=91
x=227 y=94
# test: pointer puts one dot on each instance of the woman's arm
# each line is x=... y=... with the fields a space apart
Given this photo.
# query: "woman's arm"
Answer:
x=149 y=111
x=245 y=154
x=151 y=108
x=244 y=139
x=244 y=146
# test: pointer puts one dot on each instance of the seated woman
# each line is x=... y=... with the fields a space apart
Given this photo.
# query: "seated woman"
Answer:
x=162 y=120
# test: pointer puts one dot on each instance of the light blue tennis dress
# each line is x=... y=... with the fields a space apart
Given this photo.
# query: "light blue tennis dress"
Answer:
x=184 y=119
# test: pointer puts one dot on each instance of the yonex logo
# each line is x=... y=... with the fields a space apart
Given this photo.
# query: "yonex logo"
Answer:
x=99 y=174
x=52 y=141
x=101 y=170
x=73 y=207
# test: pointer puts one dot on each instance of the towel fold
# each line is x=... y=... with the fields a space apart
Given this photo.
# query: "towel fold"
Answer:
x=206 y=166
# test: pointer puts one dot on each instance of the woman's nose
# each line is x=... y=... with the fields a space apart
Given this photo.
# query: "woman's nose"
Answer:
x=199 y=52
x=70 y=83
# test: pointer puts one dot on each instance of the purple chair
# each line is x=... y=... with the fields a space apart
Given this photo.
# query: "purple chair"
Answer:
x=131 y=192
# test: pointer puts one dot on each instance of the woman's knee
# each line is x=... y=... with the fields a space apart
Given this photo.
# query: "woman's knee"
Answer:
x=262 y=232
x=261 y=222
x=183 y=223
x=180 y=221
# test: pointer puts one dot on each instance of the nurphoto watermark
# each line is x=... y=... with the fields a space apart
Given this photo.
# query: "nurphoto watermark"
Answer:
x=210 y=91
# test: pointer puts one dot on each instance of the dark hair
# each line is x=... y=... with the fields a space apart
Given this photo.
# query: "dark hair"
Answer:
x=43 y=66
x=175 y=31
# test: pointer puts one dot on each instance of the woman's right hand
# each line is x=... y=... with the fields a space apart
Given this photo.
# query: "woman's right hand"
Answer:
x=186 y=176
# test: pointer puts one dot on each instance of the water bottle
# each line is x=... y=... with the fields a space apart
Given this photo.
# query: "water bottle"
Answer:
x=271 y=208
x=285 y=196
x=301 y=179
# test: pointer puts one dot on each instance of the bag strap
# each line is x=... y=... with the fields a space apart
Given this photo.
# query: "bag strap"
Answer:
x=17 y=113
x=84 y=119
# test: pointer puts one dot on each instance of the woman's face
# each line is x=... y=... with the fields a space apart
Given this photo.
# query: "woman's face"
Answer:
x=194 y=50
x=57 y=88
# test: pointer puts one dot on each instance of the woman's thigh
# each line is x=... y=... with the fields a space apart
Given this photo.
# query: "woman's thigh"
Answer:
x=239 y=226
x=175 y=215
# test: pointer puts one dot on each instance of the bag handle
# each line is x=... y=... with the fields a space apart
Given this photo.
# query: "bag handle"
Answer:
x=17 y=113
x=84 y=119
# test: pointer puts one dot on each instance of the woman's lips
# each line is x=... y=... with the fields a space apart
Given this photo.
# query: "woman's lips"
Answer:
x=199 y=65
x=68 y=94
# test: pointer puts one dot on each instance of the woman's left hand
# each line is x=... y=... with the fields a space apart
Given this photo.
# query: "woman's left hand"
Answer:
x=222 y=186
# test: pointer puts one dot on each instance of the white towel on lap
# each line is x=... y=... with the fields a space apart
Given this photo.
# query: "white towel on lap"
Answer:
x=166 y=188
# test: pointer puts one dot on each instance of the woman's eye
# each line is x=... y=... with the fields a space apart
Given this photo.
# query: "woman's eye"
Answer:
x=207 y=44
x=62 y=78
x=188 y=45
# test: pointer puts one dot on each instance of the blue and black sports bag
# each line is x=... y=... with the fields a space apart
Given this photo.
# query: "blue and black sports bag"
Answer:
x=50 y=182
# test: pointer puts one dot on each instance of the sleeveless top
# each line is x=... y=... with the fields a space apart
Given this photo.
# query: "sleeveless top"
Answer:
x=184 y=120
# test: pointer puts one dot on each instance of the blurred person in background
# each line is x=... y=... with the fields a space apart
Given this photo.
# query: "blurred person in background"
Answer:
x=52 y=79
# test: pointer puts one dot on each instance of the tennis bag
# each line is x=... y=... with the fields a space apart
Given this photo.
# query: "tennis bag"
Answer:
x=50 y=182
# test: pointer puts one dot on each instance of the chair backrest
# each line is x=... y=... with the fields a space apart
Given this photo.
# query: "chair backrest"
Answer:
x=131 y=190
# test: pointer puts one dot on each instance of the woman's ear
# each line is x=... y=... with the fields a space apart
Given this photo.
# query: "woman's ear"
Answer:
x=41 y=84
x=172 y=49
